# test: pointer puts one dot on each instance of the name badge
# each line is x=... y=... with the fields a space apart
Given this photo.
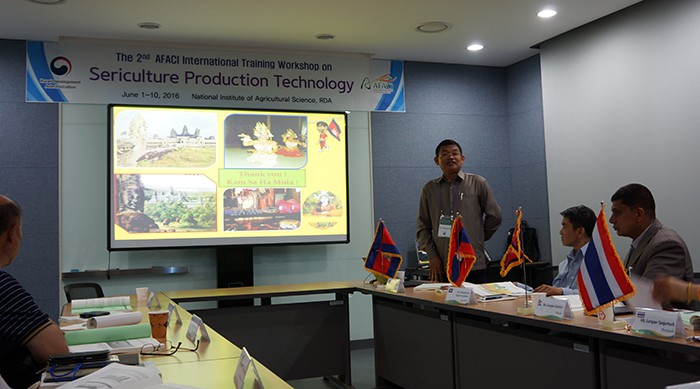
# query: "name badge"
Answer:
x=658 y=323
x=457 y=295
x=553 y=308
x=445 y=228
x=395 y=285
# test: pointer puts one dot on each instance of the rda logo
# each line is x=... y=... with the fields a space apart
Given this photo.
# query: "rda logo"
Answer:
x=60 y=66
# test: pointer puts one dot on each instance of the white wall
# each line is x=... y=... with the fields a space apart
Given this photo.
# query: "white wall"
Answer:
x=84 y=148
x=621 y=105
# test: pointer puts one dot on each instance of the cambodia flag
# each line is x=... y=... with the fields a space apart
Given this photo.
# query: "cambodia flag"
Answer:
x=334 y=129
x=460 y=256
x=602 y=280
x=514 y=254
x=384 y=258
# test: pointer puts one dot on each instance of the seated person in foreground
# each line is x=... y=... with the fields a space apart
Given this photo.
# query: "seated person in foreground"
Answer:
x=577 y=225
x=27 y=335
x=669 y=289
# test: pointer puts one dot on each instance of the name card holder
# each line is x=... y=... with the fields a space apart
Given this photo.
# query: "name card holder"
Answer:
x=462 y=296
x=245 y=362
x=658 y=323
x=151 y=299
x=395 y=285
x=553 y=308
x=172 y=309
x=196 y=323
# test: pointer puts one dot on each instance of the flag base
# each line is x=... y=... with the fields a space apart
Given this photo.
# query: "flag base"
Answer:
x=615 y=325
x=528 y=310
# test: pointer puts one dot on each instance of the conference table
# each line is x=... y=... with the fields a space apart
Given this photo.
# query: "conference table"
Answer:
x=212 y=365
x=297 y=331
x=421 y=341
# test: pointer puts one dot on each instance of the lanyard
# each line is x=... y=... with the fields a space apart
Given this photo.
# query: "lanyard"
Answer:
x=451 y=191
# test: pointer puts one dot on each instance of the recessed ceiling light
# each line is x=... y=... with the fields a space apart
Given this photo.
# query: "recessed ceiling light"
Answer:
x=325 y=37
x=433 y=27
x=48 y=1
x=149 y=25
x=546 y=13
x=475 y=47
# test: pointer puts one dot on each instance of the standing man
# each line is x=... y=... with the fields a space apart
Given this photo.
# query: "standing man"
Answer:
x=442 y=199
x=27 y=335
x=577 y=225
x=656 y=250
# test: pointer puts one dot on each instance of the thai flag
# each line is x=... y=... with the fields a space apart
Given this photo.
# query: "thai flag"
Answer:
x=460 y=256
x=602 y=280
x=384 y=258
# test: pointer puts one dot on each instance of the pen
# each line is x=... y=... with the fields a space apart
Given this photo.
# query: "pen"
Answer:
x=693 y=338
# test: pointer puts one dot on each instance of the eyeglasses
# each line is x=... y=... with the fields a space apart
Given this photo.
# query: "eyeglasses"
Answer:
x=166 y=348
x=455 y=154
x=67 y=375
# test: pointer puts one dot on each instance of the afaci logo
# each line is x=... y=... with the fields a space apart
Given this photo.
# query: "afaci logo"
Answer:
x=382 y=84
x=61 y=66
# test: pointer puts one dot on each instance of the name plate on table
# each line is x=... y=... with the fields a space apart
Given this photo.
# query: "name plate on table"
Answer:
x=395 y=285
x=658 y=323
x=196 y=323
x=244 y=362
x=173 y=310
x=553 y=308
x=457 y=295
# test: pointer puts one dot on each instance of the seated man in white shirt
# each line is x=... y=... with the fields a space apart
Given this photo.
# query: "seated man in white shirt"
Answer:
x=576 y=228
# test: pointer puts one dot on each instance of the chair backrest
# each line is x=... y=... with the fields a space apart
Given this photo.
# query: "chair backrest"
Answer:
x=83 y=290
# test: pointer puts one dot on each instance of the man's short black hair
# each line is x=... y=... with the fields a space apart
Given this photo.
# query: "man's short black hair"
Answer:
x=636 y=196
x=447 y=142
x=581 y=216
x=10 y=214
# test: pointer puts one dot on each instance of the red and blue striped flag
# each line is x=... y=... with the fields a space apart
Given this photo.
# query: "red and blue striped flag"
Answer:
x=384 y=258
x=602 y=280
x=460 y=256
x=334 y=129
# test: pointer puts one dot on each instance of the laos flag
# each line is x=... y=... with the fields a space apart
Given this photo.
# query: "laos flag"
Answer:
x=460 y=257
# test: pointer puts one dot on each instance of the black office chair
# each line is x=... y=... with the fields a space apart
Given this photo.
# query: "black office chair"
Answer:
x=83 y=290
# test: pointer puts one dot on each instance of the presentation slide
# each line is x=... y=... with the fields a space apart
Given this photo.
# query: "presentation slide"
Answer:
x=192 y=177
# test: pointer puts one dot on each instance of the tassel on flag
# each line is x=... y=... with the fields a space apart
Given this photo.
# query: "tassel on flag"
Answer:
x=460 y=257
x=602 y=280
x=334 y=129
x=384 y=259
x=514 y=253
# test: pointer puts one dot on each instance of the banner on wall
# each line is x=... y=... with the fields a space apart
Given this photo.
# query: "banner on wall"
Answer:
x=104 y=73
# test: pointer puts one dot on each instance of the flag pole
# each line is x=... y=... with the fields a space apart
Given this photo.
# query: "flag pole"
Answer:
x=522 y=252
x=527 y=308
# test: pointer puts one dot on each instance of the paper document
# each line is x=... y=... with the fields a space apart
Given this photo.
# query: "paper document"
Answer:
x=115 y=319
x=116 y=376
x=431 y=286
x=116 y=346
x=119 y=303
x=495 y=289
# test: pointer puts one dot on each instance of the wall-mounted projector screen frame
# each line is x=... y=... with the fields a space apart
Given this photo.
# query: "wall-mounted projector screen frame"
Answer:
x=195 y=177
